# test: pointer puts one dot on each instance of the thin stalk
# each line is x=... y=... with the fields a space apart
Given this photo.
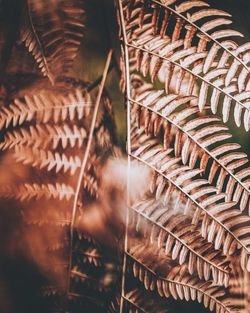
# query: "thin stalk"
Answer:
x=128 y=96
x=99 y=79
x=85 y=158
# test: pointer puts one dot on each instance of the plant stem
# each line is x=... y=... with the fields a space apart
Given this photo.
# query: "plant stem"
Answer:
x=85 y=158
x=128 y=97
x=99 y=79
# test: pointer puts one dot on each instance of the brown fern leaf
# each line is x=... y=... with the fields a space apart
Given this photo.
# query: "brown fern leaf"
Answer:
x=218 y=220
x=45 y=136
x=191 y=52
x=47 y=159
x=27 y=191
x=91 y=255
x=53 y=33
x=140 y=302
x=48 y=217
x=237 y=288
x=175 y=234
x=194 y=138
x=157 y=272
x=47 y=105
x=196 y=68
x=46 y=129
x=152 y=47
x=95 y=283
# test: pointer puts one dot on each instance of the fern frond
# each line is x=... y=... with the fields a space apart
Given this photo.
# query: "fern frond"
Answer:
x=195 y=138
x=53 y=33
x=90 y=183
x=27 y=192
x=44 y=136
x=91 y=255
x=47 y=218
x=40 y=158
x=190 y=52
x=140 y=302
x=195 y=65
x=236 y=290
x=157 y=272
x=46 y=106
x=80 y=276
x=162 y=107
x=179 y=238
x=216 y=217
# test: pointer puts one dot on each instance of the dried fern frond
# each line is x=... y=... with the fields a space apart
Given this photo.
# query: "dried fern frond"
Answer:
x=45 y=116
x=27 y=191
x=47 y=105
x=48 y=217
x=47 y=159
x=159 y=273
x=218 y=220
x=194 y=138
x=175 y=234
x=192 y=51
x=196 y=70
x=44 y=136
x=85 y=278
x=140 y=302
x=53 y=32
x=91 y=255
x=45 y=128
x=237 y=287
